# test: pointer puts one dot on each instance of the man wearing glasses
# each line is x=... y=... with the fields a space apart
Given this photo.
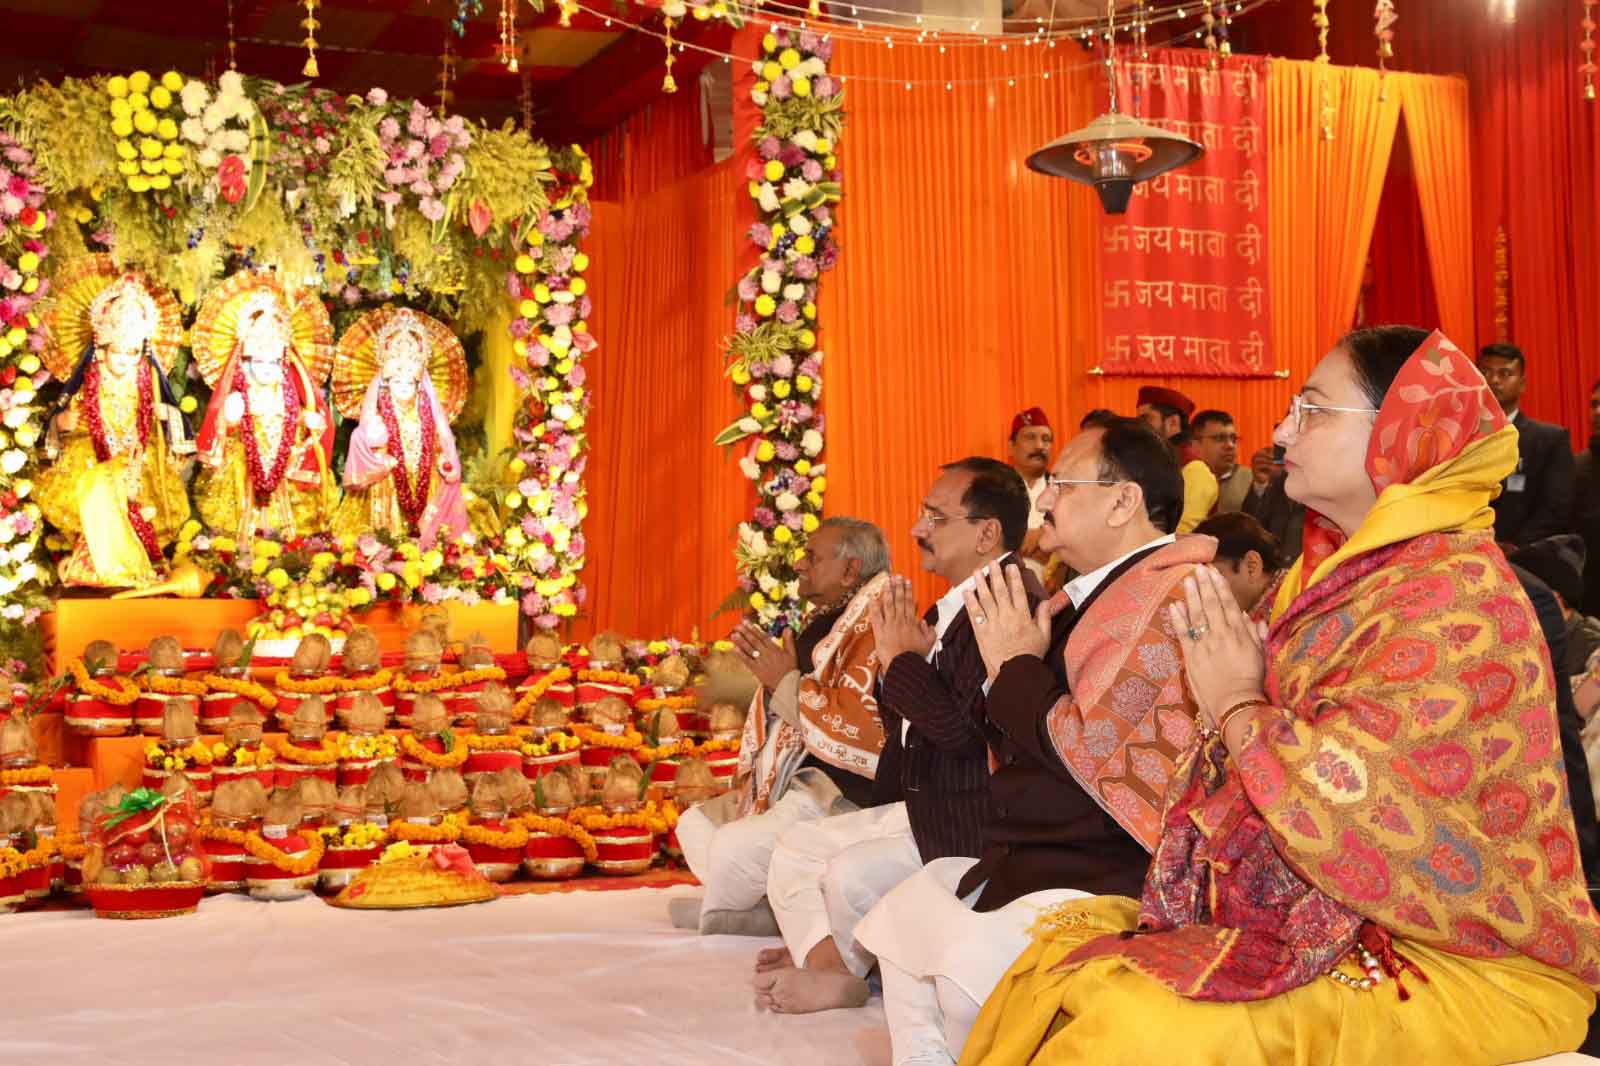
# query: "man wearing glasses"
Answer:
x=1076 y=761
x=824 y=876
x=1217 y=443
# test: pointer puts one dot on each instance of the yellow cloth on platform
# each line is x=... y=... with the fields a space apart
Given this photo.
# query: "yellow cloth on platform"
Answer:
x=226 y=501
x=114 y=549
x=1199 y=494
x=1106 y=1014
x=496 y=402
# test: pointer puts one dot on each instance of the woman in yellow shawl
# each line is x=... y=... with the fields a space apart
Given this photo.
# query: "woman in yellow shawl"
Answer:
x=1369 y=856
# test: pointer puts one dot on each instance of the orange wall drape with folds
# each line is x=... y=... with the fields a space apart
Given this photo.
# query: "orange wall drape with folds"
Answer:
x=663 y=502
x=967 y=288
x=662 y=143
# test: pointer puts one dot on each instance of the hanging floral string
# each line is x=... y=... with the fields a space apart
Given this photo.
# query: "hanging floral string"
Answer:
x=1586 y=47
x=1385 y=16
x=773 y=358
x=508 y=35
x=310 y=23
x=668 y=85
x=447 y=69
x=1320 y=21
x=1209 y=19
x=1224 y=46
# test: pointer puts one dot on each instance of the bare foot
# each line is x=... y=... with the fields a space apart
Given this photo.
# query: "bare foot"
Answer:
x=769 y=959
x=796 y=991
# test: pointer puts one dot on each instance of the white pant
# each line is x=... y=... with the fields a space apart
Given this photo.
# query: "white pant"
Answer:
x=730 y=855
x=935 y=985
x=825 y=876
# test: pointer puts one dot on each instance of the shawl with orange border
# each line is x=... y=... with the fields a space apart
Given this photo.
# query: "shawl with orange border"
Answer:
x=838 y=709
x=1406 y=780
x=1127 y=717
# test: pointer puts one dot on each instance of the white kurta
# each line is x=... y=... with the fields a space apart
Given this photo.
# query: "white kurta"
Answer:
x=934 y=986
x=826 y=875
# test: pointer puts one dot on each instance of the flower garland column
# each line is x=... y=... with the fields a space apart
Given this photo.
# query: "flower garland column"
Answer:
x=773 y=358
x=546 y=504
x=23 y=223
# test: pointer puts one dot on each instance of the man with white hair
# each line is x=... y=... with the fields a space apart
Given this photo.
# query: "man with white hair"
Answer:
x=812 y=738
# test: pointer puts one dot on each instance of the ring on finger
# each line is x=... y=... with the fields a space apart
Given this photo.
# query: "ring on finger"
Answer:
x=1198 y=631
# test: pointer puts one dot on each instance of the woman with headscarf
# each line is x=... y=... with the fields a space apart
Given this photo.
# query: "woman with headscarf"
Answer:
x=1368 y=856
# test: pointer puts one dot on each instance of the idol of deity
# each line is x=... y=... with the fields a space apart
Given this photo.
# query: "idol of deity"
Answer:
x=403 y=374
x=115 y=442
x=267 y=440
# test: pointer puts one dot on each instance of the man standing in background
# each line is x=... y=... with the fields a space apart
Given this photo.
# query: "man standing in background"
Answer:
x=1216 y=440
x=1032 y=443
x=1535 y=501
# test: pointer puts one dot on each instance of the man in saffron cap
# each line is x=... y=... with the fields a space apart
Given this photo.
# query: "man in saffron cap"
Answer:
x=1168 y=411
x=1032 y=442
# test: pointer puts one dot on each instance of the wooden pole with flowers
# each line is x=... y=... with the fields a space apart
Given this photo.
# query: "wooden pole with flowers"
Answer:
x=773 y=357
x=546 y=505
x=24 y=221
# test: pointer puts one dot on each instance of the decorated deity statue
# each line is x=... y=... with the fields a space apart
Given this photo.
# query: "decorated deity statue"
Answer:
x=403 y=375
x=267 y=439
x=115 y=441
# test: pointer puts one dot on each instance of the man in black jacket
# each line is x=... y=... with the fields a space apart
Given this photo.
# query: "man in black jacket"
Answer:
x=944 y=936
x=825 y=876
x=1535 y=501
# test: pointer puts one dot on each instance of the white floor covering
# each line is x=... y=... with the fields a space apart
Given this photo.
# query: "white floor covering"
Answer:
x=572 y=978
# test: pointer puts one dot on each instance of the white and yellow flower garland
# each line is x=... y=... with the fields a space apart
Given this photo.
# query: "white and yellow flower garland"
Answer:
x=546 y=502
x=773 y=358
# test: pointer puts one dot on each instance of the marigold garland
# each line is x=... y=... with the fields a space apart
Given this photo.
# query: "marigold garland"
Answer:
x=480 y=742
x=596 y=738
x=536 y=691
x=550 y=744
x=173 y=686
x=211 y=832
x=32 y=775
x=316 y=847
x=242 y=686
x=609 y=677
x=516 y=837
x=308 y=686
x=197 y=754
x=72 y=847
x=412 y=833
x=656 y=819
x=326 y=755
x=370 y=683
x=121 y=696
x=450 y=760
x=14 y=863
x=668 y=703
x=667 y=751
x=451 y=682
x=259 y=757
x=362 y=835
x=381 y=746
x=561 y=827
x=713 y=747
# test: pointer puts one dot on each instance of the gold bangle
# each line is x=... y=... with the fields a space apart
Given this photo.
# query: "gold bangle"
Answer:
x=1227 y=715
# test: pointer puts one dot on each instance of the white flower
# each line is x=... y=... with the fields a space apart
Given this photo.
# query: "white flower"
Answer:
x=757 y=393
x=674 y=9
x=796 y=188
x=208 y=158
x=27 y=436
x=13 y=460
x=767 y=197
x=563 y=411
x=757 y=66
x=27 y=571
x=791 y=591
x=806 y=139
x=768 y=583
x=6 y=533
x=799 y=225
x=788 y=501
x=237 y=141
x=13 y=611
x=816 y=392
x=771 y=281
x=16 y=417
x=749 y=425
x=22 y=489
x=195 y=97
x=749 y=468
x=793 y=291
x=231 y=83
x=758 y=97
x=214 y=116
x=811 y=68
x=194 y=131
x=811 y=443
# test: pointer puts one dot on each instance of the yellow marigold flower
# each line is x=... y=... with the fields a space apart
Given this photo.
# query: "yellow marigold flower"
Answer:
x=277 y=577
x=773 y=171
x=117 y=87
x=386 y=581
x=757 y=601
x=769 y=43
x=765 y=305
x=802 y=87
x=782 y=535
x=809 y=523
x=765 y=451
x=789 y=59
x=802 y=467
x=172 y=81
x=259 y=564
x=139 y=81
x=525 y=264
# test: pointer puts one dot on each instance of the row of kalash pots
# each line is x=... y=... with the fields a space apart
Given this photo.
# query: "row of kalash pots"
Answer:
x=580 y=765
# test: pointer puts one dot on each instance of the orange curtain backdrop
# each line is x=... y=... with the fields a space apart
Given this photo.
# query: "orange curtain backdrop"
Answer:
x=1439 y=133
x=664 y=142
x=967 y=288
x=1325 y=195
x=663 y=502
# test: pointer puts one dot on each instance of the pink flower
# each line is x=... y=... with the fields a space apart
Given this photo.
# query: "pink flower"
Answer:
x=811 y=170
x=538 y=355
x=584 y=342
x=788 y=311
x=559 y=314
x=808 y=41
x=744 y=323
x=414 y=149
x=585 y=307
x=377 y=97
x=769 y=147
x=521 y=327
x=422 y=188
x=761 y=235
x=782 y=87
x=805 y=267
x=578 y=376
x=350 y=295
x=748 y=289
x=439 y=146
x=822 y=87
x=417 y=121
x=389 y=129
x=783 y=366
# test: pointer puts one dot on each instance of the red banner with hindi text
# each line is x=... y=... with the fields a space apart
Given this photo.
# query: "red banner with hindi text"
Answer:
x=1184 y=272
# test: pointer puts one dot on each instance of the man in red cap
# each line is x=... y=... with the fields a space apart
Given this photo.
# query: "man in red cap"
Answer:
x=1032 y=442
x=1167 y=411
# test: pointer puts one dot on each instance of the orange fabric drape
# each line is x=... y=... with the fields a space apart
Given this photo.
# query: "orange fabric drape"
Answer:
x=968 y=286
x=663 y=142
x=1324 y=196
x=1439 y=133
x=663 y=502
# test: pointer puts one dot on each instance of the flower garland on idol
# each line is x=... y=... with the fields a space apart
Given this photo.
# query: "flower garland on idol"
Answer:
x=24 y=221
x=546 y=504
x=773 y=358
